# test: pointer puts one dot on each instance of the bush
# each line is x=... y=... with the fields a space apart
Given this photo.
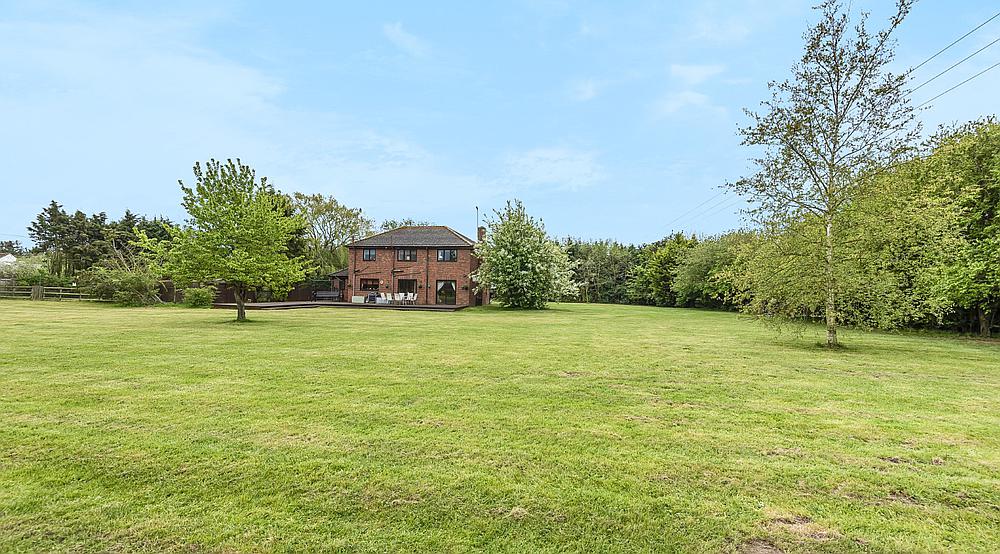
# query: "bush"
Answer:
x=32 y=270
x=128 y=287
x=199 y=297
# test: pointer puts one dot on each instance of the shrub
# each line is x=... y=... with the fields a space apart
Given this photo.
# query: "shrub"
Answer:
x=199 y=297
x=129 y=287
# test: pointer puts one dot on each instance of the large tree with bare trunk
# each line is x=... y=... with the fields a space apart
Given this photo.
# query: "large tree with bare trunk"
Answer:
x=842 y=116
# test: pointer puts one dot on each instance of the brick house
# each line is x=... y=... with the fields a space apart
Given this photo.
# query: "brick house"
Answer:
x=433 y=261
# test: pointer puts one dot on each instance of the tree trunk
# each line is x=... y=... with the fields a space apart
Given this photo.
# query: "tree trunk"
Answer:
x=831 y=289
x=241 y=312
x=985 y=322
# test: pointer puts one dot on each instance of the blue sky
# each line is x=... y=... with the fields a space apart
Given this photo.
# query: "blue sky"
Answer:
x=608 y=119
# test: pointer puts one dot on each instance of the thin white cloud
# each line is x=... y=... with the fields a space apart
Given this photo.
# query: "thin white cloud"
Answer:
x=406 y=41
x=585 y=90
x=556 y=167
x=112 y=97
x=720 y=30
x=685 y=101
x=693 y=74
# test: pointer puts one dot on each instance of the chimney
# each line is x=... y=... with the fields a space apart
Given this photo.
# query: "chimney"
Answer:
x=481 y=236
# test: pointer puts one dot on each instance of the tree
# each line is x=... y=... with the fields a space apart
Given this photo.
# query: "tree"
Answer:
x=601 y=268
x=841 y=117
x=653 y=279
x=390 y=224
x=520 y=264
x=330 y=225
x=12 y=247
x=237 y=232
x=965 y=166
x=703 y=274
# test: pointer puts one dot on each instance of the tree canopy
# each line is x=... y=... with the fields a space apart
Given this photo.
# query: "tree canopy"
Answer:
x=237 y=232
x=521 y=265
x=842 y=116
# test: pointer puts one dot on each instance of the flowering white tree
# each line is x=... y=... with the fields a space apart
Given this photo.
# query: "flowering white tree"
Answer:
x=521 y=265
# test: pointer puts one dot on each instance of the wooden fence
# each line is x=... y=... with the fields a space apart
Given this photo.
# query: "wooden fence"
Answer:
x=43 y=293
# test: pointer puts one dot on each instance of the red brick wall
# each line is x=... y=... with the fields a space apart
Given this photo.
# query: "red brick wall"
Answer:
x=426 y=270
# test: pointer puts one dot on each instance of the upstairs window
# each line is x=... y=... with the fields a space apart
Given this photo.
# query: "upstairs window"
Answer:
x=368 y=254
x=406 y=254
x=448 y=255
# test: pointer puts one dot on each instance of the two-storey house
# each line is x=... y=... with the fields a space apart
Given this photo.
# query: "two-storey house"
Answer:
x=433 y=261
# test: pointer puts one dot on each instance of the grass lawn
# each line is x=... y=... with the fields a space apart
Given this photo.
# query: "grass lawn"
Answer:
x=580 y=428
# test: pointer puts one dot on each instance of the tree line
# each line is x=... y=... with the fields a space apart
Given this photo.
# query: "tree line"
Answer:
x=919 y=247
x=240 y=231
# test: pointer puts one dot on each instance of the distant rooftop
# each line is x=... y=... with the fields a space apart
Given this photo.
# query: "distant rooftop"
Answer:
x=424 y=235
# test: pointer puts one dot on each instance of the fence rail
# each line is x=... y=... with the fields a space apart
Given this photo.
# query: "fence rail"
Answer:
x=44 y=293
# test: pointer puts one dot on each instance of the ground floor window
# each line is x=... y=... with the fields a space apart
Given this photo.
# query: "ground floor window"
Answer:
x=446 y=292
x=406 y=285
x=369 y=284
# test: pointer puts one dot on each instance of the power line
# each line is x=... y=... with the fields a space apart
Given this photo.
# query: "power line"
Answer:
x=959 y=39
x=954 y=65
x=918 y=66
x=683 y=215
x=958 y=85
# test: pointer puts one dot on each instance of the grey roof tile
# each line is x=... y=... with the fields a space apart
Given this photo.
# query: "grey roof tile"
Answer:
x=428 y=235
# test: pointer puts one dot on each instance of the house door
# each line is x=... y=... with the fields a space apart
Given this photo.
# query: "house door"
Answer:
x=406 y=285
x=446 y=292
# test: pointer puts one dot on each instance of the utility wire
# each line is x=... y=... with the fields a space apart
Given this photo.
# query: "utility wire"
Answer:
x=685 y=214
x=958 y=85
x=954 y=65
x=914 y=68
x=959 y=39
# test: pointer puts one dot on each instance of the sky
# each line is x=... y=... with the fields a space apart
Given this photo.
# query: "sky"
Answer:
x=607 y=119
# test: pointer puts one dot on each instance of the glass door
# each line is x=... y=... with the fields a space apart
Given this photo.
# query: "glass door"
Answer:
x=446 y=292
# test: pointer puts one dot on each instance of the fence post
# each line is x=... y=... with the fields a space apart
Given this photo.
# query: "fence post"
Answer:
x=36 y=292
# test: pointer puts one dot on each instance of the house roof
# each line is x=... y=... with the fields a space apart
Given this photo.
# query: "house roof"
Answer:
x=341 y=273
x=424 y=235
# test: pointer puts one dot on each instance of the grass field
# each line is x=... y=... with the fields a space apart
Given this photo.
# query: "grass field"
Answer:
x=580 y=428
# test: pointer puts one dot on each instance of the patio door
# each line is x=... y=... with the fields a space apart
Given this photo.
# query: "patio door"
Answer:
x=446 y=292
x=406 y=285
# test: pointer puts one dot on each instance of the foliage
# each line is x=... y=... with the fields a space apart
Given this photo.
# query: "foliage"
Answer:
x=330 y=225
x=653 y=279
x=842 y=116
x=703 y=275
x=74 y=242
x=12 y=247
x=521 y=266
x=130 y=277
x=33 y=269
x=602 y=269
x=964 y=164
x=237 y=233
x=137 y=286
x=199 y=297
x=896 y=237
x=390 y=224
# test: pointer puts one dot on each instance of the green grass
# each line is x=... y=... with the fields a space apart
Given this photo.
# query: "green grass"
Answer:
x=580 y=428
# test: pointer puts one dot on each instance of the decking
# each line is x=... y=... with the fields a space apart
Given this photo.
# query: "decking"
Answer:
x=325 y=304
